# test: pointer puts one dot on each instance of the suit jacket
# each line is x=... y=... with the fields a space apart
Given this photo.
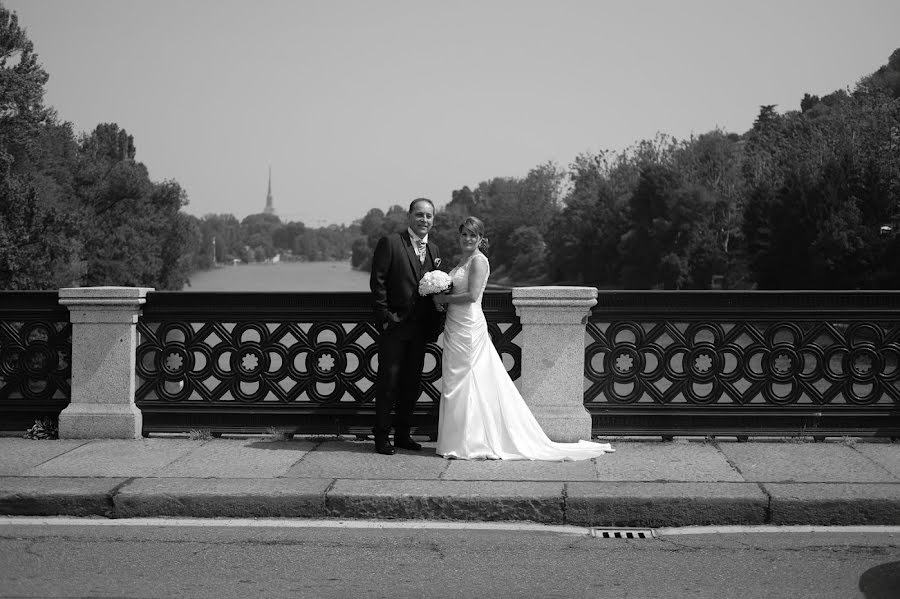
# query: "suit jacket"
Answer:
x=394 y=282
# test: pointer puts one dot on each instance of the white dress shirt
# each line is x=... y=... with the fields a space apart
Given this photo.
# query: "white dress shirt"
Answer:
x=415 y=243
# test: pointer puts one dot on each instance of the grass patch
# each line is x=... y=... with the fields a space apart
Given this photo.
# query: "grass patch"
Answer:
x=200 y=434
x=276 y=434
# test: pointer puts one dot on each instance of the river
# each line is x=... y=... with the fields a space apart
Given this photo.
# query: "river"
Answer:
x=284 y=276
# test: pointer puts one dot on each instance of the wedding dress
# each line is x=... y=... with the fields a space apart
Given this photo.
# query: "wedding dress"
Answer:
x=482 y=415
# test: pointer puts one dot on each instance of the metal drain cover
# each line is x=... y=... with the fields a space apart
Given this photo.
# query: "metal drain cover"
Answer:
x=623 y=533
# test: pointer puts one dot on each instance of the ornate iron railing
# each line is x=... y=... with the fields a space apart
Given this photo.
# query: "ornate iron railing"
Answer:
x=35 y=357
x=744 y=363
x=661 y=363
x=298 y=362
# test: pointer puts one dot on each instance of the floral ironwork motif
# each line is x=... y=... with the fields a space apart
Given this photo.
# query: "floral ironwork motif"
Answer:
x=624 y=363
x=252 y=362
x=326 y=362
x=776 y=363
x=256 y=361
x=703 y=363
x=329 y=361
x=35 y=363
x=782 y=364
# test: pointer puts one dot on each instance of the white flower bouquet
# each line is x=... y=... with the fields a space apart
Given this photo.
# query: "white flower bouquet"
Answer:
x=435 y=281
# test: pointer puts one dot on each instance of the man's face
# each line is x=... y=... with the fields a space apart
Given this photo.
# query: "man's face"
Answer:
x=421 y=219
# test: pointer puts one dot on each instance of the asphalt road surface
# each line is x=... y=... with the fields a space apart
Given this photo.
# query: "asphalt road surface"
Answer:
x=127 y=560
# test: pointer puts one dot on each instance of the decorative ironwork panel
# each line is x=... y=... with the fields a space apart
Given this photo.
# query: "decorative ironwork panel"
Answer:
x=35 y=356
x=504 y=327
x=814 y=355
x=302 y=353
x=780 y=363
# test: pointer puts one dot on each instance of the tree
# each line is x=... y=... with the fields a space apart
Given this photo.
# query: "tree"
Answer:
x=808 y=102
x=497 y=200
x=180 y=246
x=505 y=204
x=649 y=236
x=125 y=218
x=462 y=203
x=256 y=233
x=225 y=229
x=37 y=249
x=712 y=163
x=370 y=228
x=79 y=211
x=22 y=80
x=831 y=183
x=530 y=263
x=583 y=238
x=285 y=236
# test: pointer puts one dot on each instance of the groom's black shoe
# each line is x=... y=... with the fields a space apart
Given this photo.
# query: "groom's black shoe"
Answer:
x=383 y=446
x=407 y=443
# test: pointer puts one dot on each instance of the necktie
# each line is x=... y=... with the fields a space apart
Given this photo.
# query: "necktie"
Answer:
x=421 y=245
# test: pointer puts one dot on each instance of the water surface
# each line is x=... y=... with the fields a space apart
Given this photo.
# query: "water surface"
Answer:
x=284 y=276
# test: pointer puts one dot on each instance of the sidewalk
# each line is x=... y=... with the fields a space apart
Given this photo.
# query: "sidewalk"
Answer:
x=642 y=484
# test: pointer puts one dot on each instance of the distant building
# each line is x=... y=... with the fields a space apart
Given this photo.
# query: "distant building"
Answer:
x=270 y=202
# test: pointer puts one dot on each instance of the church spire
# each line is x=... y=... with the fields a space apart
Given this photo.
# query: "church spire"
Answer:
x=270 y=204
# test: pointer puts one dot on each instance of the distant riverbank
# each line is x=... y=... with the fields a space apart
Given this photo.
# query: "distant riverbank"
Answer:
x=283 y=276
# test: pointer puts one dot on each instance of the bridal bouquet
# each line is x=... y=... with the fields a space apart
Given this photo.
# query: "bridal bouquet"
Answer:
x=435 y=281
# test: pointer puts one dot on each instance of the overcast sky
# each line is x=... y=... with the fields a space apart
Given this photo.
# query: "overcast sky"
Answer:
x=364 y=104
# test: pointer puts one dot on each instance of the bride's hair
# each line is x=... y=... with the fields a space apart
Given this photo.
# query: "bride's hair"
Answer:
x=476 y=225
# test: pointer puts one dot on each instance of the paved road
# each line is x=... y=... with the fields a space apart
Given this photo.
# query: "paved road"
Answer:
x=205 y=561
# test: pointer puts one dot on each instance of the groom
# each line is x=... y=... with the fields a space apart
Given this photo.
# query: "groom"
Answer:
x=406 y=322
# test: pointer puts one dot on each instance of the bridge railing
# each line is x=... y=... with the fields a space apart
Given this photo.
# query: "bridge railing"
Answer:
x=35 y=357
x=643 y=363
x=297 y=362
x=817 y=363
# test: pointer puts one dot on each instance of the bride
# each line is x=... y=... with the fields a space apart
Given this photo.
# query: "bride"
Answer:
x=482 y=415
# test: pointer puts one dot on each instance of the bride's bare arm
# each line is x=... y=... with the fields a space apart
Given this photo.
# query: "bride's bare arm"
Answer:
x=478 y=272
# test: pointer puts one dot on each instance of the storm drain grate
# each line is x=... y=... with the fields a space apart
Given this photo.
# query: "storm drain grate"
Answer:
x=622 y=533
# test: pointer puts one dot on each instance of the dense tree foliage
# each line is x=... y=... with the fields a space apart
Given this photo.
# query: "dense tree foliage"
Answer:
x=38 y=248
x=823 y=203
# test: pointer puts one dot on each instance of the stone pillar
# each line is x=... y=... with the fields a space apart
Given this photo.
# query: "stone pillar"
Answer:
x=104 y=340
x=552 y=382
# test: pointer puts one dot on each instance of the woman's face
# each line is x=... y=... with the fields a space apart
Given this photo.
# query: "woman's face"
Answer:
x=468 y=240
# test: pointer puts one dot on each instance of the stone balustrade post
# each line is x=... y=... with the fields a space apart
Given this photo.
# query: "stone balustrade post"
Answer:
x=552 y=382
x=104 y=340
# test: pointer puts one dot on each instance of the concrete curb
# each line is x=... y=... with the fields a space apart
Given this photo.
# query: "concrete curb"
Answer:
x=448 y=500
x=222 y=498
x=647 y=504
x=58 y=496
x=834 y=504
x=655 y=504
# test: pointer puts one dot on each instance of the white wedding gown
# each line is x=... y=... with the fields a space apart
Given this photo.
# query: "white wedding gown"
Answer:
x=482 y=415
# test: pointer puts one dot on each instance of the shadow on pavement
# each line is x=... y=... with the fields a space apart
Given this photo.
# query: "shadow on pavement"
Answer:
x=319 y=445
x=881 y=582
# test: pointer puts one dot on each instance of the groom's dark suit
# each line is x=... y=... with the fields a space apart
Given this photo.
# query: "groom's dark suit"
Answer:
x=406 y=322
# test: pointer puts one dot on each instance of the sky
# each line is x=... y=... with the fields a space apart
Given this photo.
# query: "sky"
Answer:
x=366 y=104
